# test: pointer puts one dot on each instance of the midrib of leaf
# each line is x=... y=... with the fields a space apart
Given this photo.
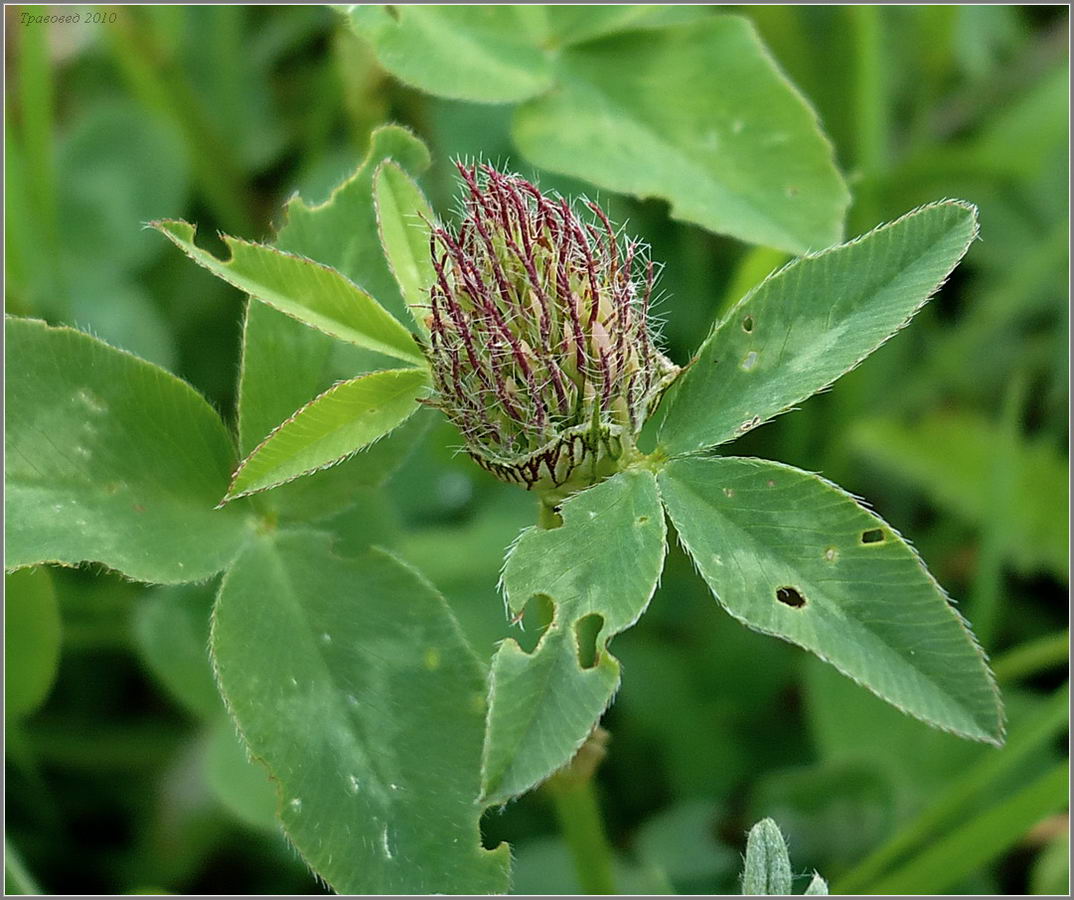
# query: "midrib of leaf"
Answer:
x=748 y=540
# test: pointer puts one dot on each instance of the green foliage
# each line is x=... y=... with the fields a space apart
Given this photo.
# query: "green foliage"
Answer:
x=750 y=163
x=402 y=214
x=32 y=623
x=504 y=59
x=811 y=322
x=608 y=102
x=543 y=705
x=372 y=653
x=949 y=456
x=113 y=460
x=125 y=770
x=171 y=630
x=308 y=291
x=344 y=419
x=790 y=554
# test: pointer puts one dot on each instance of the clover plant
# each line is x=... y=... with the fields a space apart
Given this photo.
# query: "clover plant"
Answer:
x=528 y=325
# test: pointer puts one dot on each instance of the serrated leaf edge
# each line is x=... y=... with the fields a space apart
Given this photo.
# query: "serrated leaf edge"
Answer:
x=997 y=739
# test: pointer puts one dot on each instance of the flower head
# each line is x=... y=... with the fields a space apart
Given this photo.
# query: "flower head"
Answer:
x=540 y=340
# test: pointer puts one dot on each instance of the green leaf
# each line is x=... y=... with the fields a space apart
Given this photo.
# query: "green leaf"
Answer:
x=817 y=887
x=491 y=54
x=285 y=364
x=767 y=870
x=599 y=569
x=303 y=289
x=977 y=842
x=790 y=554
x=339 y=672
x=241 y=784
x=648 y=112
x=113 y=460
x=967 y=787
x=330 y=428
x=949 y=456
x=139 y=168
x=31 y=640
x=810 y=322
x=680 y=842
x=342 y=231
x=171 y=632
x=402 y=214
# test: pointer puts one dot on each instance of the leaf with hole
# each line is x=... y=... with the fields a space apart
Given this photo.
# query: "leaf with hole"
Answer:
x=947 y=456
x=543 y=705
x=311 y=292
x=812 y=321
x=369 y=651
x=343 y=420
x=113 y=460
x=792 y=555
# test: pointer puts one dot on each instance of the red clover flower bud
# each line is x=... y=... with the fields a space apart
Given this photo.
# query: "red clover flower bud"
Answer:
x=540 y=341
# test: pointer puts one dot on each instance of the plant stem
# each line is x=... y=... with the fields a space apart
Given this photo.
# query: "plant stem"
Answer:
x=574 y=797
x=1032 y=657
x=985 y=603
x=161 y=85
x=871 y=110
x=956 y=801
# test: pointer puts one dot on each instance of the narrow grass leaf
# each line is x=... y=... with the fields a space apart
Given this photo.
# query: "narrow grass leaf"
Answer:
x=790 y=554
x=812 y=321
x=981 y=840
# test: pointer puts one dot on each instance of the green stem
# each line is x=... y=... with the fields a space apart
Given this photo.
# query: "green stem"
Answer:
x=871 y=111
x=575 y=800
x=986 y=595
x=1032 y=657
x=161 y=85
x=35 y=107
x=979 y=780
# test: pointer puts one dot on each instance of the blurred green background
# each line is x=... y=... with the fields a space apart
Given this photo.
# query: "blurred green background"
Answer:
x=122 y=771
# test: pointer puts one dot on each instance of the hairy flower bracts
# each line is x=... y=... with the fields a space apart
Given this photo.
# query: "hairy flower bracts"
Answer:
x=540 y=342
